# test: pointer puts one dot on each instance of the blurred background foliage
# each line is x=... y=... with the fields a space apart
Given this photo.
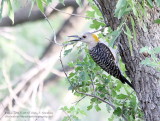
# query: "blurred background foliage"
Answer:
x=32 y=77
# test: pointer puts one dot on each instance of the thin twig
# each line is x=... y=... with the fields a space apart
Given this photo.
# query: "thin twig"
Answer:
x=127 y=98
x=99 y=29
x=90 y=95
x=90 y=76
x=76 y=102
x=63 y=67
x=54 y=33
x=72 y=14
x=68 y=115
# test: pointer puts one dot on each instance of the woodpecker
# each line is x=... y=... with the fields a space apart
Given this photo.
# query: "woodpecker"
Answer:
x=102 y=55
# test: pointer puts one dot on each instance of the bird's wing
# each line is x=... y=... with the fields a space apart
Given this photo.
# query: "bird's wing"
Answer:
x=107 y=50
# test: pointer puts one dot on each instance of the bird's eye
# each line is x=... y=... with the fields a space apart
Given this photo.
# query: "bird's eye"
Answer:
x=84 y=36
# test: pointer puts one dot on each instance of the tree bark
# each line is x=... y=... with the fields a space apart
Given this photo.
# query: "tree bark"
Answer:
x=145 y=79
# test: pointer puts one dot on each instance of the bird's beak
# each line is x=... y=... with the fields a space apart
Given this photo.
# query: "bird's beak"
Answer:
x=75 y=36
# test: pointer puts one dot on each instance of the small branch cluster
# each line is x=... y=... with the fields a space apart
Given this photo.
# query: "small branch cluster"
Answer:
x=87 y=94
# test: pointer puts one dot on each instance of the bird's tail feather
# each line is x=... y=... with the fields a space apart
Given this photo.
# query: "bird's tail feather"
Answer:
x=124 y=80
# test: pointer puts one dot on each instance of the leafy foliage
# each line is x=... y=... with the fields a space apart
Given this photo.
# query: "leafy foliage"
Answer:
x=73 y=113
x=40 y=5
x=89 y=78
x=157 y=21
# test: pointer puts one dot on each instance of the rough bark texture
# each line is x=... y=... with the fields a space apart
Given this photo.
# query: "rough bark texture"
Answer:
x=145 y=79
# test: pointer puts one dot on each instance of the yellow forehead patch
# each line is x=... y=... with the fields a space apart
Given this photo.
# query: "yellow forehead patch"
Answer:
x=95 y=37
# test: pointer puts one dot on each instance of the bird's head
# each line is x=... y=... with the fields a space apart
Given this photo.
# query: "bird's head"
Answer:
x=89 y=38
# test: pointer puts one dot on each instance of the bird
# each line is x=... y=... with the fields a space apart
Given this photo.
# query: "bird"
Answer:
x=102 y=55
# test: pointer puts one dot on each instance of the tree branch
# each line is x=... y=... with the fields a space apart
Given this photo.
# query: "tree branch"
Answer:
x=22 y=15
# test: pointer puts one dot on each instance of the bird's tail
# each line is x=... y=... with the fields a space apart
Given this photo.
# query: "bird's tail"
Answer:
x=124 y=80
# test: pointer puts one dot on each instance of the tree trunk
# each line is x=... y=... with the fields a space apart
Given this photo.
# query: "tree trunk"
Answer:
x=145 y=79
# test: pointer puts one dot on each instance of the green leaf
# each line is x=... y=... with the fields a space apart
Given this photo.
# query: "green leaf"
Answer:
x=156 y=50
x=97 y=108
x=96 y=10
x=133 y=101
x=117 y=111
x=71 y=75
x=120 y=4
x=82 y=112
x=145 y=49
x=129 y=36
x=71 y=88
x=157 y=21
x=40 y=5
x=79 y=2
x=118 y=87
x=150 y=3
x=146 y=61
x=134 y=32
x=114 y=93
x=132 y=4
x=62 y=1
x=90 y=13
x=94 y=99
x=149 y=62
x=158 y=2
x=90 y=107
x=115 y=35
x=72 y=108
x=49 y=1
x=66 y=52
x=112 y=118
x=128 y=33
x=96 y=24
x=82 y=75
x=65 y=108
x=121 y=13
x=11 y=12
x=121 y=96
x=71 y=64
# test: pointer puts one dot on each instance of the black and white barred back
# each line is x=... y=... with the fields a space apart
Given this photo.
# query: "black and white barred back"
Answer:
x=103 y=56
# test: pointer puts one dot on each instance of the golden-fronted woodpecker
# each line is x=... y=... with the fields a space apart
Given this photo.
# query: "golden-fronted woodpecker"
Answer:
x=102 y=55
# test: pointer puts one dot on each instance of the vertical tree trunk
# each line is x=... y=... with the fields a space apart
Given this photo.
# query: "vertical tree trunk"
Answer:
x=145 y=79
